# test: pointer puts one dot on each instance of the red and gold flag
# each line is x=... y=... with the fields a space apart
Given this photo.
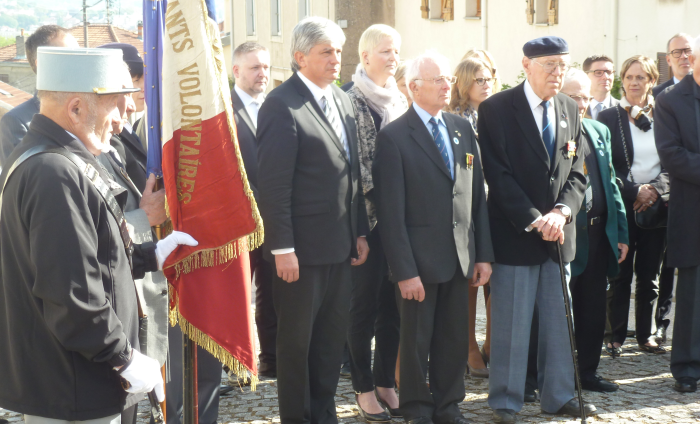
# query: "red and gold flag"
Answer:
x=208 y=194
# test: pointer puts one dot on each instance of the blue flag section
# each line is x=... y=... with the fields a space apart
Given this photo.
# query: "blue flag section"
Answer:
x=211 y=10
x=153 y=33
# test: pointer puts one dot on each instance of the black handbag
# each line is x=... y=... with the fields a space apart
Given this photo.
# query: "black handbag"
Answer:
x=656 y=215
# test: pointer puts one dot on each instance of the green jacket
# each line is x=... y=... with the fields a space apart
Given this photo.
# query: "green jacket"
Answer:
x=616 y=226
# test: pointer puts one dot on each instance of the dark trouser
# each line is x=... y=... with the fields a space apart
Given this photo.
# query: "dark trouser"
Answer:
x=663 y=305
x=373 y=313
x=265 y=316
x=208 y=382
x=531 y=376
x=312 y=316
x=685 y=355
x=646 y=251
x=129 y=414
x=588 y=295
x=435 y=328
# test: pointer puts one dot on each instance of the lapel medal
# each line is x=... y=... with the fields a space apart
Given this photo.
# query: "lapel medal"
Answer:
x=563 y=124
x=571 y=148
x=470 y=161
x=456 y=140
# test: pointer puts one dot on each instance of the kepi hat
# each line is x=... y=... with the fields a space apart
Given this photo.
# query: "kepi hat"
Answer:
x=81 y=70
x=545 y=46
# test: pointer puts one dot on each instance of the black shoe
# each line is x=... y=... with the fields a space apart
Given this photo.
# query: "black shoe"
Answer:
x=572 y=408
x=420 y=420
x=656 y=350
x=458 y=420
x=223 y=389
x=394 y=412
x=613 y=351
x=598 y=384
x=503 y=416
x=530 y=395
x=660 y=335
x=345 y=370
x=267 y=370
x=382 y=417
x=686 y=385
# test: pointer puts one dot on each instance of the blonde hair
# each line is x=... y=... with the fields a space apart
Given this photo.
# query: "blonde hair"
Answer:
x=400 y=71
x=466 y=75
x=374 y=35
x=647 y=64
x=487 y=58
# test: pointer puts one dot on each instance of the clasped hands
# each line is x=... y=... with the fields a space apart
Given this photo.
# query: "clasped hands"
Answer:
x=412 y=289
x=646 y=197
x=287 y=264
x=551 y=226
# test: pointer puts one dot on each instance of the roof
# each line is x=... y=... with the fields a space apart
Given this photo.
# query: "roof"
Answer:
x=13 y=96
x=98 y=34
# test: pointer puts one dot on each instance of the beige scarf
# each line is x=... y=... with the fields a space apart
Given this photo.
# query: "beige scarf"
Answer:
x=386 y=101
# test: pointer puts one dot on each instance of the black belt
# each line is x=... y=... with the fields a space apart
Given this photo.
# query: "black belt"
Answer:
x=595 y=221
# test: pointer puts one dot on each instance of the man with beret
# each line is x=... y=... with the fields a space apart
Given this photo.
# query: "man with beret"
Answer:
x=530 y=137
x=68 y=304
x=15 y=123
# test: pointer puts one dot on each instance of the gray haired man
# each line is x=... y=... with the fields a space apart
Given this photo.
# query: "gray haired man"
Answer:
x=311 y=202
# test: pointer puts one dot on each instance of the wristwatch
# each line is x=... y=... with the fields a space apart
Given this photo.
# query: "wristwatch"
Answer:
x=566 y=211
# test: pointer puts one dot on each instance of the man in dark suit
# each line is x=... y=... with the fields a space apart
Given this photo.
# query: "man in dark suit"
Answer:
x=678 y=54
x=530 y=139
x=15 y=123
x=431 y=201
x=601 y=71
x=677 y=133
x=251 y=69
x=601 y=232
x=311 y=202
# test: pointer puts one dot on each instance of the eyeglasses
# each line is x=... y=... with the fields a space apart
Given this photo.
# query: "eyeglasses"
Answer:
x=600 y=72
x=584 y=99
x=549 y=67
x=680 y=52
x=640 y=78
x=482 y=81
x=439 y=80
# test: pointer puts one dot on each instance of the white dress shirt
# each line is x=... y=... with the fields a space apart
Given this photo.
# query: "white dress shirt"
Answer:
x=252 y=106
x=607 y=103
x=318 y=94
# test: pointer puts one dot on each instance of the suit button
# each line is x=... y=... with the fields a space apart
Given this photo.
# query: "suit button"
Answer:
x=552 y=179
x=454 y=193
x=164 y=292
x=454 y=225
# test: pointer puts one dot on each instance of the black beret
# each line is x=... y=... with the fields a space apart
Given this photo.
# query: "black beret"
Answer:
x=131 y=56
x=545 y=46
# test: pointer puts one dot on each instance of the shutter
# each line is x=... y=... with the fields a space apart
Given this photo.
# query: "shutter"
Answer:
x=553 y=12
x=664 y=70
x=530 y=11
x=448 y=12
x=424 y=8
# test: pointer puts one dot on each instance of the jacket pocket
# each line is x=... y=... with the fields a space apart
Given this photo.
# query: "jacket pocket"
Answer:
x=311 y=209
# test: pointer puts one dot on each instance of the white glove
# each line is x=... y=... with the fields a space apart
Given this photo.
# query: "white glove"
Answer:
x=166 y=246
x=143 y=375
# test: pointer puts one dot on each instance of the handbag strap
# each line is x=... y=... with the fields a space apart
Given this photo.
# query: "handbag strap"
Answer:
x=624 y=144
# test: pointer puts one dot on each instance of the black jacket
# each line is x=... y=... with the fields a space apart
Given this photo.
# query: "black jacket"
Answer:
x=247 y=142
x=14 y=125
x=431 y=224
x=134 y=155
x=310 y=196
x=522 y=184
x=629 y=190
x=661 y=87
x=67 y=298
x=678 y=142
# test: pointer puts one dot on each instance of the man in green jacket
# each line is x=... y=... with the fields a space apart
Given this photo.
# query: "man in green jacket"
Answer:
x=601 y=238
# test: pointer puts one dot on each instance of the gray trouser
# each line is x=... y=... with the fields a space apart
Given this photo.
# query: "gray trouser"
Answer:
x=685 y=356
x=33 y=419
x=515 y=290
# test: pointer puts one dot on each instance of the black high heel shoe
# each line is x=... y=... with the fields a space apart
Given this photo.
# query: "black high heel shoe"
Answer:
x=613 y=351
x=393 y=412
x=382 y=417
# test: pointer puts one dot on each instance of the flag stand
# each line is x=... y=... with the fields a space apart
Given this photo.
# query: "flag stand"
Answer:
x=189 y=365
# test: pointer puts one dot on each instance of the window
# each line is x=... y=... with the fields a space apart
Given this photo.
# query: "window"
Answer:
x=546 y=12
x=304 y=9
x=541 y=16
x=438 y=9
x=250 y=17
x=473 y=9
x=276 y=16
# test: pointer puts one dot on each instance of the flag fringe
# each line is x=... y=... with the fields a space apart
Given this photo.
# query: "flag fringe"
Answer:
x=207 y=343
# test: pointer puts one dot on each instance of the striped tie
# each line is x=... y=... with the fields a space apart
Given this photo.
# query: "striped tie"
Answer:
x=334 y=120
x=589 y=188
x=440 y=143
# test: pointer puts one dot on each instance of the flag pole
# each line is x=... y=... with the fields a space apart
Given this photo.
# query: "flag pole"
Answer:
x=189 y=365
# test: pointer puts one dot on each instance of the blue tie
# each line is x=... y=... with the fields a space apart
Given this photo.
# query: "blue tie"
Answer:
x=547 y=131
x=440 y=143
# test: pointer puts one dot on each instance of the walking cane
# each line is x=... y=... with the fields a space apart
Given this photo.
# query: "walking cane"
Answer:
x=570 y=323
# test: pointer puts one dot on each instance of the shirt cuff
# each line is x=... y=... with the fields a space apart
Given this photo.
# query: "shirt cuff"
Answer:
x=282 y=251
x=531 y=226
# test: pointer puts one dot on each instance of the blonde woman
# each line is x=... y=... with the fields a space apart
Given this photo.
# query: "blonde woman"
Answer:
x=474 y=85
x=643 y=181
x=373 y=313
x=401 y=81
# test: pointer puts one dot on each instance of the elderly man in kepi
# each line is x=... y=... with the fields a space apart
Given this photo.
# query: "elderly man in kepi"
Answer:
x=530 y=137
x=68 y=304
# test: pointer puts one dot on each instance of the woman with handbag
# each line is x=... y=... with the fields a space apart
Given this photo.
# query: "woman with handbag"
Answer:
x=644 y=185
